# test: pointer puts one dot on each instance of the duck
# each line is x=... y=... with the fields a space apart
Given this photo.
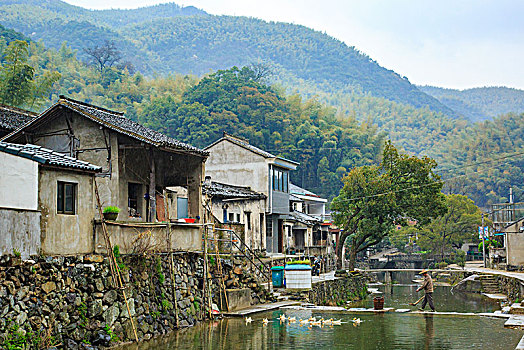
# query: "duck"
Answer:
x=248 y=320
x=292 y=319
x=356 y=320
x=328 y=322
x=303 y=321
x=316 y=323
x=336 y=322
x=282 y=318
x=265 y=321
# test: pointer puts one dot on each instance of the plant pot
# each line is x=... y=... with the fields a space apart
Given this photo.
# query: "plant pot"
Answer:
x=378 y=303
x=110 y=216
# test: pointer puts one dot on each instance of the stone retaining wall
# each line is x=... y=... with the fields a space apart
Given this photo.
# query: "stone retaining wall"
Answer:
x=512 y=287
x=70 y=301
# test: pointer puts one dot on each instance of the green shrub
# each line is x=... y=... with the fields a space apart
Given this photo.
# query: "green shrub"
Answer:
x=111 y=209
x=299 y=262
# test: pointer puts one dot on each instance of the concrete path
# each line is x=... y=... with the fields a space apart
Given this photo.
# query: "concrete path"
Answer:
x=261 y=308
x=520 y=346
x=517 y=275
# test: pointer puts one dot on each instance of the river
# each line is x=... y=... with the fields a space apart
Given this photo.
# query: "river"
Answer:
x=376 y=331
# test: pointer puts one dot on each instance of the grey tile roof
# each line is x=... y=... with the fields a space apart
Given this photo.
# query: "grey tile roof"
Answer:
x=12 y=118
x=300 y=191
x=46 y=156
x=221 y=190
x=302 y=218
x=118 y=122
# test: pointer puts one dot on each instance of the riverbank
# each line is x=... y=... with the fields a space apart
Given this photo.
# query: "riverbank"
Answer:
x=71 y=303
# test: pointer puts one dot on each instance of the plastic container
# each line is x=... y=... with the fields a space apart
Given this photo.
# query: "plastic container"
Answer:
x=298 y=276
x=277 y=276
x=189 y=220
x=378 y=303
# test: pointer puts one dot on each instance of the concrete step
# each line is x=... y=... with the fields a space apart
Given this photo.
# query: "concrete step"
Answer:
x=516 y=309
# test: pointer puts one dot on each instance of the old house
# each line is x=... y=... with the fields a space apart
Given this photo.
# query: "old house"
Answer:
x=235 y=161
x=138 y=164
x=514 y=243
x=12 y=118
x=46 y=201
x=310 y=229
x=238 y=205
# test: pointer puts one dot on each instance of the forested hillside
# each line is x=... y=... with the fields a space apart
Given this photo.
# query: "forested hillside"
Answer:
x=485 y=160
x=162 y=39
x=479 y=104
x=327 y=141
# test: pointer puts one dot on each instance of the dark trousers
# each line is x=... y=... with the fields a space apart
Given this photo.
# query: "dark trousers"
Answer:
x=428 y=299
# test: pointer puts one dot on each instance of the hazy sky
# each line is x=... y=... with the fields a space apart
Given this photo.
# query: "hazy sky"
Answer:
x=449 y=43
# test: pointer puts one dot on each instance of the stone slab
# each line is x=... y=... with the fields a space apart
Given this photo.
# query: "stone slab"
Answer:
x=370 y=310
x=402 y=310
x=515 y=322
x=496 y=296
x=261 y=308
x=516 y=309
x=520 y=345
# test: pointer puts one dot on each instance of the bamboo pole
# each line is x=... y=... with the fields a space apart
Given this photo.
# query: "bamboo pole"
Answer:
x=117 y=278
x=172 y=265
x=219 y=266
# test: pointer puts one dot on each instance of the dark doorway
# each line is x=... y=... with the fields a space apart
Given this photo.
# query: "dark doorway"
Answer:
x=280 y=236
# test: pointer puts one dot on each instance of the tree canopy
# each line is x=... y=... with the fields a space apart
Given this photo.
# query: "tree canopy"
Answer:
x=376 y=198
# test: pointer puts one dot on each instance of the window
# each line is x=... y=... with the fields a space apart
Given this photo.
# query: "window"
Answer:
x=231 y=217
x=133 y=198
x=66 y=198
x=248 y=220
x=238 y=217
x=280 y=180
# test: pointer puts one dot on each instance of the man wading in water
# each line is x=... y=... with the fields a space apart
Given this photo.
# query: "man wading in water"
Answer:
x=427 y=285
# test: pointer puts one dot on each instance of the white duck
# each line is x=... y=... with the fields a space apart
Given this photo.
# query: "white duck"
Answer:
x=336 y=322
x=282 y=318
x=265 y=321
x=292 y=319
x=356 y=320
x=248 y=320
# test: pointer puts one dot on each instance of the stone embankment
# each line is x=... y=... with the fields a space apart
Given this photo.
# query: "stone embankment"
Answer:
x=334 y=292
x=70 y=302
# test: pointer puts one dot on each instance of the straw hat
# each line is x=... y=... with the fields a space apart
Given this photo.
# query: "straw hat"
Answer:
x=424 y=271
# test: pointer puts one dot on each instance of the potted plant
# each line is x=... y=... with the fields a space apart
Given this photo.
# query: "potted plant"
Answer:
x=111 y=212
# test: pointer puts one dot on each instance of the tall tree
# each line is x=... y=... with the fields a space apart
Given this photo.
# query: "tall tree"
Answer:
x=104 y=56
x=376 y=198
x=16 y=75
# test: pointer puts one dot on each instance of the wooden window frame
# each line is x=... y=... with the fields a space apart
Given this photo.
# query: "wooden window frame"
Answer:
x=61 y=200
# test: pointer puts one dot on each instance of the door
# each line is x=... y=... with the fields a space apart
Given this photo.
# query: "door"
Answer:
x=280 y=236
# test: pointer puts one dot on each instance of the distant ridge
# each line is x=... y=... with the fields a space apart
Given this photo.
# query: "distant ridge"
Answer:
x=169 y=38
x=479 y=104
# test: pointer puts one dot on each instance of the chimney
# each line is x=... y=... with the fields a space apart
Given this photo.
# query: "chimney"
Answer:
x=511 y=195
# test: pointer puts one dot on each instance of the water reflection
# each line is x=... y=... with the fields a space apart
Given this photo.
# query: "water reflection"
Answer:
x=381 y=331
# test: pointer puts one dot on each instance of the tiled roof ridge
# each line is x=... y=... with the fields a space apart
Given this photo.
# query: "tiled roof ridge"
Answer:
x=19 y=110
x=168 y=141
x=62 y=97
x=46 y=156
x=235 y=186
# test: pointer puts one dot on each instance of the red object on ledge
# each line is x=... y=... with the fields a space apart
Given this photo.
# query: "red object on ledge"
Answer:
x=189 y=220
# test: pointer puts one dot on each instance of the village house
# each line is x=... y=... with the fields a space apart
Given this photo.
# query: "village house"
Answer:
x=46 y=202
x=310 y=229
x=137 y=166
x=234 y=161
x=238 y=206
x=514 y=243
x=12 y=118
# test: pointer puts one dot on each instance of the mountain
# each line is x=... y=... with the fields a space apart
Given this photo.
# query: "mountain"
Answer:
x=169 y=38
x=479 y=104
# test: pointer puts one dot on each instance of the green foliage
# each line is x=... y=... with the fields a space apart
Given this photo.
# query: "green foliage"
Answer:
x=82 y=311
x=159 y=271
x=449 y=231
x=299 y=262
x=18 y=338
x=376 y=198
x=118 y=258
x=16 y=253
x=109 y=331
x=18 y=85
x=479 y=104
x=111 y=209
x=489 y=243
x=211 y=260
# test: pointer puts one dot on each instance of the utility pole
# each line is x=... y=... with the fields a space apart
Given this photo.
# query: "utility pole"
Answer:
x=483 y=242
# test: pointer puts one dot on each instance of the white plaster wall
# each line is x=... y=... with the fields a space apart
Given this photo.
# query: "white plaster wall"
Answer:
x=18 y=182
x=515 y=248
x=234 y=165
